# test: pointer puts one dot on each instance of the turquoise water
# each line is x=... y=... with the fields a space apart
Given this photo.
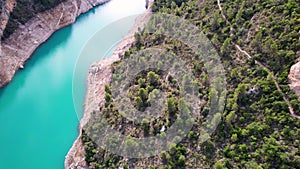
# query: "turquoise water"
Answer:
x=38 y=123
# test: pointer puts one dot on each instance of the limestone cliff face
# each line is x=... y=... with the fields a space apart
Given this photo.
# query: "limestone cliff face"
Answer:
x=19 y=46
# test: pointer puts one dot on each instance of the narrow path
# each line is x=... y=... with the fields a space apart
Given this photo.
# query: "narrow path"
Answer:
x=286 y=99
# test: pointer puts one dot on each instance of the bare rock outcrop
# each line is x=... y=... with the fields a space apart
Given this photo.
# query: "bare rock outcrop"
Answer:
x=20 y=45
x=294 y=78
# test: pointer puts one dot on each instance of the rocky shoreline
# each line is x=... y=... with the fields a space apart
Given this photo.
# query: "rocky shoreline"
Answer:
x=99 y=75
x=18 y=47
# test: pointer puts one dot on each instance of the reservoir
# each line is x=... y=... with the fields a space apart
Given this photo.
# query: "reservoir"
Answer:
x=38 y=122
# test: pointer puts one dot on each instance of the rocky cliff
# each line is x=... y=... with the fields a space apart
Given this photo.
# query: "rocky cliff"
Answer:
x=6 y=8
x=19 y=46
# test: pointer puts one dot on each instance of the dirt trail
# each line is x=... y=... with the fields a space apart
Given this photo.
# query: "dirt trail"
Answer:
x=286 y=99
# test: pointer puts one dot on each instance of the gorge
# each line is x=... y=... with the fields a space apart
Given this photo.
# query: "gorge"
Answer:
x=38 y=119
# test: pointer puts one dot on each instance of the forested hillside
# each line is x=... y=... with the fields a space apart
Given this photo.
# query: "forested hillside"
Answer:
x=258 y=41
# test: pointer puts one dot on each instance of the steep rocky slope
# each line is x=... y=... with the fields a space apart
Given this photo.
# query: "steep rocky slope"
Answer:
x=19 y=46
x=23 y=11
x=5 y=10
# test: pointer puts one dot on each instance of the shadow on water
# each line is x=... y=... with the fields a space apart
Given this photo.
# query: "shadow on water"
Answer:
x=2 y=90
x=43 y=52
x=93 y=10
x=45 y=48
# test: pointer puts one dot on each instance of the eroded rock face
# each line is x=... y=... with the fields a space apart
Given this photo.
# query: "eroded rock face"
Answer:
x=6 y=8
x=19 y=46
x=294 y=78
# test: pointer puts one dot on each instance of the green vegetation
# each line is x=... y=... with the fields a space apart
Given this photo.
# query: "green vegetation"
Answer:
x=257 y=129
x=24 y=11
